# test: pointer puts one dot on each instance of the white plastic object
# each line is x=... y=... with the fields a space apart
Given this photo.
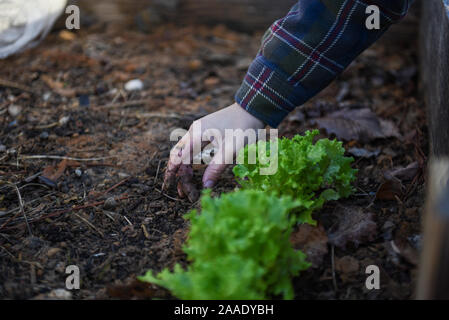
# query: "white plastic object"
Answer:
x=24 y=23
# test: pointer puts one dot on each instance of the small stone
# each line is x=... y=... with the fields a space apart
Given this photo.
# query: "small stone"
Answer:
x=67 y=35
x=46 y=96
x=110 y=203
x=141 y=187
x=64 y=120
x=211 y=82
x=33 y=242
x=84 y=100
x=123 y=175
x=60 y=294
x=416 y=241
x=78 y=172
x=14 y=110
x=48 y=182
x=195 y=64
x=60 y=267
x=44 y=135
x=134 y=85
x=51 y=252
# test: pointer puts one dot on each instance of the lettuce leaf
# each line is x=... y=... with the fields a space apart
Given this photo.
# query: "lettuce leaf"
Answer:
x=311 y=173
x=239 y=248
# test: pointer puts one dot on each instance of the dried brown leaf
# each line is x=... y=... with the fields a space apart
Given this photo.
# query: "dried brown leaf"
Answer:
x=312 y=241
x=347 y=267
x=390 y=189
x=408 y=173
x=357 y=124
x=55 y=172
x=355 y=226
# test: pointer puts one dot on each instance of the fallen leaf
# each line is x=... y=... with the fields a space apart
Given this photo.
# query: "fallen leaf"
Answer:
x=53 y=173
x=347 y=267
x=390 y=189
x=405 y=250
x=406 y=174
x=58 y=87
x=312 y=241
x=355 y=226
x=52 y=251
x=134 y=290
x=179 y=238
x=357 y=124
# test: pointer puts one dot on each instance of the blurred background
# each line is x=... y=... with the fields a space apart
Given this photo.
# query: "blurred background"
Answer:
x=242 y=15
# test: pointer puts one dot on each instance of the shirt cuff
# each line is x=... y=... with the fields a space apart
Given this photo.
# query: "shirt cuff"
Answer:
x=267 y=94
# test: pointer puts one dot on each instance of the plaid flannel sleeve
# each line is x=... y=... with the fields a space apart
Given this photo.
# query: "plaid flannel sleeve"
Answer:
x=305 y=50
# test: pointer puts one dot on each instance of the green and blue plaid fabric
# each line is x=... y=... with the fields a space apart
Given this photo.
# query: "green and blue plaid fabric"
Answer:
x=305 y=50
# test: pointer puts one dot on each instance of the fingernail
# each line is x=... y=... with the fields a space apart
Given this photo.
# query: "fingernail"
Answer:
x=208 y=184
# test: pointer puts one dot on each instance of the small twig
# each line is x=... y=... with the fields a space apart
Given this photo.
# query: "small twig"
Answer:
x=145 y=232
x=167 y=196
x=9 y=253
x=27 y=203
x=63 y=158
x=334 y=279
x=125 y=104
x=108 y=214
x=150 y=115
x=9 y=220
x=15 y=85
x=128 y=221
x=89 y=224
x=160 y=232
x=36 y=264
x=63 y=211
x=22 y=210
x=114 y=187
x=157 y=172
x=47 y=126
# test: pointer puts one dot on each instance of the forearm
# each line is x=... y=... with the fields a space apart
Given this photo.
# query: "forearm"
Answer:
x=307 y=49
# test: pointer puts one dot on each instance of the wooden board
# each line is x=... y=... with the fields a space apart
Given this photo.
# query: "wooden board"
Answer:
x=433 y=280
x=435 y=72
x=245 y=15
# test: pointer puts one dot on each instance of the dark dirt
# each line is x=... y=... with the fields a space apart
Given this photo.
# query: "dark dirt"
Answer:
x=72 y=103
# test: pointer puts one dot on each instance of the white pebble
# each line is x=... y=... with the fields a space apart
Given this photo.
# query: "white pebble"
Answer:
x=134 y=85
x=46 y=96
x=64 y=120
x=123 y=175
x=14 y=110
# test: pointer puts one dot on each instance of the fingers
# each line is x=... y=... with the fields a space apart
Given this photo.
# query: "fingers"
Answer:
x=214 y=170
x=185 y=186
x=179 y=152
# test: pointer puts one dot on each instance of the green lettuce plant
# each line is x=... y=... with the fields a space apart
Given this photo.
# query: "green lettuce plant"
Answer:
x=311 y=173
x=238 y=248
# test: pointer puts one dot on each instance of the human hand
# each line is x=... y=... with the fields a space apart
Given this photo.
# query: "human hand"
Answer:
x=209 y=130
